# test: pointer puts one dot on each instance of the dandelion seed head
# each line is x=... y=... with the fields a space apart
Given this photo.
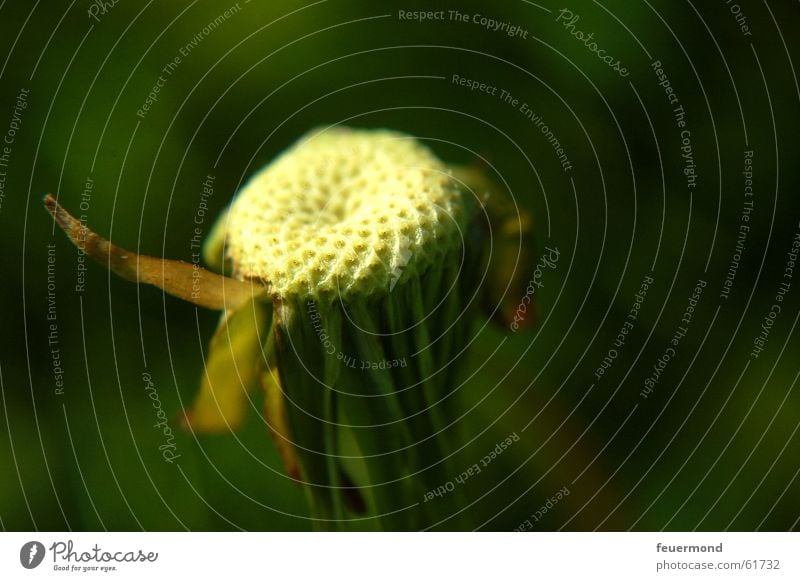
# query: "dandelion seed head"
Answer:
x=335 y=210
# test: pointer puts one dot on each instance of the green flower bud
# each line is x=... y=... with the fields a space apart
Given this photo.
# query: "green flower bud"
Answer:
x=353 y=259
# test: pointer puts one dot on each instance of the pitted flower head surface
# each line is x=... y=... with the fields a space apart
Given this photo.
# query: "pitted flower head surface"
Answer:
x=344 y=212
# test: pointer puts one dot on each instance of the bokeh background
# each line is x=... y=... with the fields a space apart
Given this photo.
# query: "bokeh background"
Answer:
x=714 y=446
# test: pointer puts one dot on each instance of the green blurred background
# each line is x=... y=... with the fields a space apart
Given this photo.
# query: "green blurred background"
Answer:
x=715 y=446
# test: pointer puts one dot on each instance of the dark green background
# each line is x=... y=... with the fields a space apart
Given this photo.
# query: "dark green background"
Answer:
x=716 y=445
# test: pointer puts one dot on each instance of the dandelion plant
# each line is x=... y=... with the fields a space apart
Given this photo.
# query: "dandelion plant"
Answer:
x=345 y=271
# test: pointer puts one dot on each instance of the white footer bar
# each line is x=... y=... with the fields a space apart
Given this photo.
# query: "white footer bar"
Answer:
x=400 y=556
